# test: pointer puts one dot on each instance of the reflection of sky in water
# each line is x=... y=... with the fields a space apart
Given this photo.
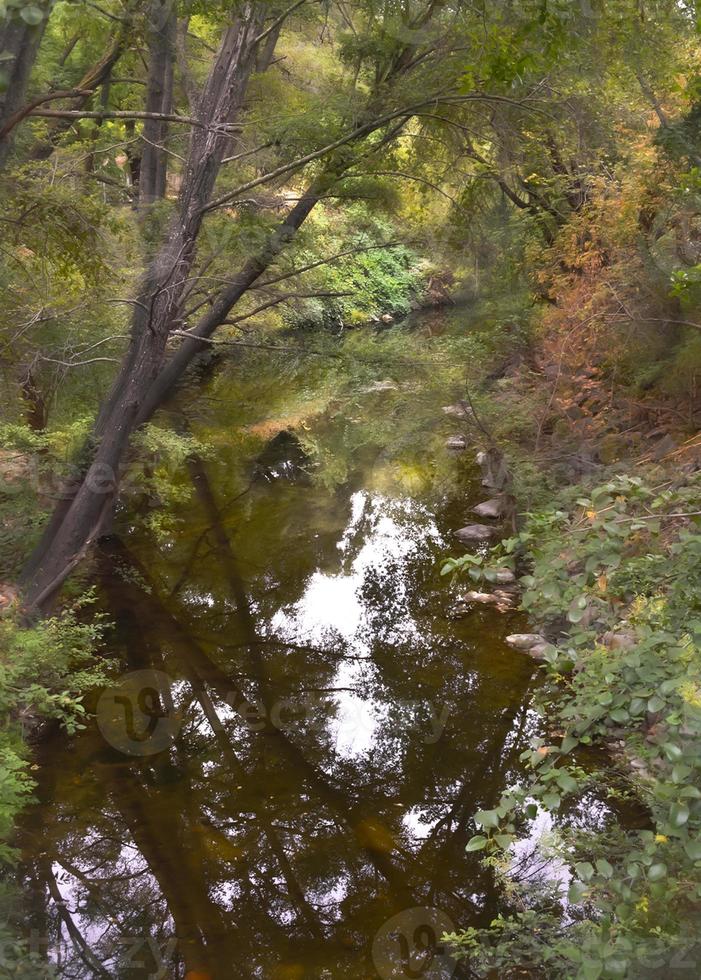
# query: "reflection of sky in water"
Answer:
x=389 y=532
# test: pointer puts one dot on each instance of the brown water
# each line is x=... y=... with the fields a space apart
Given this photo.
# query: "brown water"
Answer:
x=298 y=735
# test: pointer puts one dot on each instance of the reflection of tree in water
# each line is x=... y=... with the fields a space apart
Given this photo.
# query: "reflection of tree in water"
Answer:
x=257 y=848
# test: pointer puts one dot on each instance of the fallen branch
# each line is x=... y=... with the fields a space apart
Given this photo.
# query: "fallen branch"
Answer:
x=124 y=114
x=29 y=109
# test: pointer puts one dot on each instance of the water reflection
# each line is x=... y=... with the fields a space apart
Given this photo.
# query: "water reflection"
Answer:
x=336 y=733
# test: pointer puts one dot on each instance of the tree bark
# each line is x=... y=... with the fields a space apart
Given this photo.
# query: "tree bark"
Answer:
x=143 y=382
x=156 y=311
x=20 y=41
x=159 y=99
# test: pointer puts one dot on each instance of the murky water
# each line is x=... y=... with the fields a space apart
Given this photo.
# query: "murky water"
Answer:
x=298 y=734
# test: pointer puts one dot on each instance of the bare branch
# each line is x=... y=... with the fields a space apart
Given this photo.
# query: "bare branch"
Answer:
x=358 y=133
x=278 y=20
x=125 y=114
x=28 y=109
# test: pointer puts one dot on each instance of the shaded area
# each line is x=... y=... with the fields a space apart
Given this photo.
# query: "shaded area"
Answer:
x=337 y=731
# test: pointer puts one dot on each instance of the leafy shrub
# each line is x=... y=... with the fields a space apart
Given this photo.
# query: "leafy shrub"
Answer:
x=616 y=574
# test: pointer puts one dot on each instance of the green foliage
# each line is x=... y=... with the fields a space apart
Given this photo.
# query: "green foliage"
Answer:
x=44 y=673
x=622 y=571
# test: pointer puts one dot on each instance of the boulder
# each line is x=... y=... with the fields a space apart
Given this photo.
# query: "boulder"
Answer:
x=9 y=597
x=618 y=641
x=460 y=410
x=456 y=443
x=387 y=318
x=500 y=600
x=664 y=447
x=475 y=534
x=504 y=576
x=495 y=507
x=526 y=641
x=386 y=385
x=489 y=598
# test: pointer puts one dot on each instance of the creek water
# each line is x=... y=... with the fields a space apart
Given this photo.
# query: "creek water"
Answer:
x=280 y=780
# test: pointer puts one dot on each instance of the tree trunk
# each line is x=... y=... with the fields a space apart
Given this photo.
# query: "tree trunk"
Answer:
x=159 y=98
x=19 y=42
x=76 y=521
x=143 y=383
x=97 y=75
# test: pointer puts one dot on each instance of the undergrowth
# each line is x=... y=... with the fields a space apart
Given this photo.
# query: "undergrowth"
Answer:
x=614 y=577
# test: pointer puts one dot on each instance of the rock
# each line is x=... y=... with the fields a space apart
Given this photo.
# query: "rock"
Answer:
x=504 y=576
x=386 y=385
x=574 y=412
x=473 y=533
x=526 y=641
x=500 y=600
x=490 y=508
x=460 y=410
x=618 y=641
x=539 y=650
x=14 y=466
x=490 y=598
x=9 y=597
x=387 y=318
x=457 y=443
x=494 y=469
x=664 y=447
x=612 y=448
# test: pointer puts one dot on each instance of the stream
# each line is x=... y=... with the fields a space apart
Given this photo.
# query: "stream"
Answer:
x=279 y=781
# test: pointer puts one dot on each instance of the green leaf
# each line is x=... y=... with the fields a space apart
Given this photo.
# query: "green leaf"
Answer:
x=487 y=818
x=672 y=751
x=551 y=801
x=655 y=704
x=604 y=868
x=678 y=814
x=476 y=844
x=591 y=969
x=657 y=872
x=569 y=742
x=576 y=893
x=566 y=782
x=31 y=15
x=585 y=870
x=679 y=774
x=504 y=840
x=616 y=966
x=693 y=849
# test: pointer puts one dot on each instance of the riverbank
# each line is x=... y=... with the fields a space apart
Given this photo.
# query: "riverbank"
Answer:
x=606 y=550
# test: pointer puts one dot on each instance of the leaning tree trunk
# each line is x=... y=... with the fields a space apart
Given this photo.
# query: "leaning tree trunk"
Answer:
x=143 y=381
x=159 y=99
x=78 y=519
x=19 y=45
